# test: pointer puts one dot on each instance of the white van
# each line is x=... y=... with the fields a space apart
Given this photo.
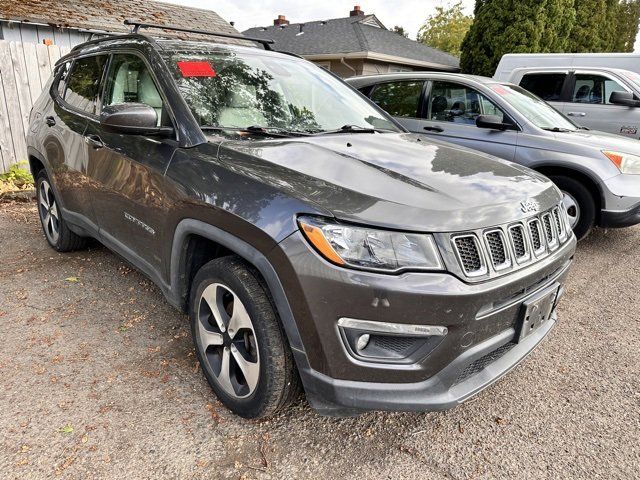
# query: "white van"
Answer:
x=593 y=89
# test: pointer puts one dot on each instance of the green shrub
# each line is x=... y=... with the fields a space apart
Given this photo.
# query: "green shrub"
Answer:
x=17 y=178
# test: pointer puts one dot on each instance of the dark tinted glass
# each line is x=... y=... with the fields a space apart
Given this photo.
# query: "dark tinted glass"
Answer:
x=83 y=83
x=547 y=86
x=400 y=99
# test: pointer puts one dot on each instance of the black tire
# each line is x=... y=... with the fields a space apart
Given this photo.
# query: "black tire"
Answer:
x=278 y=382
x=584 y=199
x=59 y=236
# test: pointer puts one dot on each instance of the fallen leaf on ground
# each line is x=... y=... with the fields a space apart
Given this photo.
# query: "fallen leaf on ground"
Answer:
x=67 y=429
x=72 y=279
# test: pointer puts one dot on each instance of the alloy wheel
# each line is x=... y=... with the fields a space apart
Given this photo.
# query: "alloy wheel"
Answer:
x=572 y=207
x=49 y=214
x=227 y=341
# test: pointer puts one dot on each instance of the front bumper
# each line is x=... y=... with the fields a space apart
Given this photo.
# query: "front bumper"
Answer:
x=620 y=218
x=480 y=319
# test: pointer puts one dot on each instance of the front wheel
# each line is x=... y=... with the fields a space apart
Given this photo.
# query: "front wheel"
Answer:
x=242 y=350
x=580 y=205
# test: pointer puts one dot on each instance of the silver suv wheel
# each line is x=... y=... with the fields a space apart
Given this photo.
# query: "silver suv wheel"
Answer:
x=227 y=341
x=573 y=208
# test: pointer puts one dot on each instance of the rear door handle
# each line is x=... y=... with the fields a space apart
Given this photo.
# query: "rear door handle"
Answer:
x=434 y=129
x=50 y=121
x=577 y=114
x=94 y=141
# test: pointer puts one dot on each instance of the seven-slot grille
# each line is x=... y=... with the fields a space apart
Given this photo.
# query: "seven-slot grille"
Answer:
x=523 y=242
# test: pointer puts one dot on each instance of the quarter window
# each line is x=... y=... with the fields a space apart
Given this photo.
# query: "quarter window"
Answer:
x=131 y=82
x=452 y=102
x=547 y=86
x=400 y=99
x=594 y=89
x=83 y=84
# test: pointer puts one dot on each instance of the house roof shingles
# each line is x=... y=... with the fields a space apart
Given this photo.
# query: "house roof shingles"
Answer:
x=108 y=15
x=348 y=35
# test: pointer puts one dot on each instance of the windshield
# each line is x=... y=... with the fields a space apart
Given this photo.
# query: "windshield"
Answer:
x=536 y=110
x=241 y=90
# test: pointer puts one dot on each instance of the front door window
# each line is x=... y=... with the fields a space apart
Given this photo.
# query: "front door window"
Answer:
x=456 y=103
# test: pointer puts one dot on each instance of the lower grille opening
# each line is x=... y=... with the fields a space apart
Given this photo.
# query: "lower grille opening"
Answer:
x=479 y=365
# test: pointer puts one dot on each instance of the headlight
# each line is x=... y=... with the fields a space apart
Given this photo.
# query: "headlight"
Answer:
x=626 y=162
x=368 y=248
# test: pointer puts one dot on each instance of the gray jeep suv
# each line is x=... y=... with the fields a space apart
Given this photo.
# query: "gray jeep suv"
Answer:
x=309 y=237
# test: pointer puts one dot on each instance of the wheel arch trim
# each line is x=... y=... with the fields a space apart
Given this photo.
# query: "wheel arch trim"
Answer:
x=178 y=272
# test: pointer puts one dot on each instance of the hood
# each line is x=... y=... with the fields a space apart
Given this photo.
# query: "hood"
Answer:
x=399 y=181
x=598 y=140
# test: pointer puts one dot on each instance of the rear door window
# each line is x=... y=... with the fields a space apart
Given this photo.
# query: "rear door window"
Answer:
x=594 y=89
x=400 y=99
x=547 y=86
x=83 y=83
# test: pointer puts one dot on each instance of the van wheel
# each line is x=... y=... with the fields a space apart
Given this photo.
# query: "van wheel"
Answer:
x=53 y=225
x=240 y=345
x=580 y=205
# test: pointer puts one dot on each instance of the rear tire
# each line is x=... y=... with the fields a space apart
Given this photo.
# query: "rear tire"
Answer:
x=55 y=229
x=580 y=204
x=239 y=342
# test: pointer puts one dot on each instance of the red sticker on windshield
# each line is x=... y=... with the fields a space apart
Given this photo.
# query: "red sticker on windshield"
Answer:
x=500 y=90
x=196 y=69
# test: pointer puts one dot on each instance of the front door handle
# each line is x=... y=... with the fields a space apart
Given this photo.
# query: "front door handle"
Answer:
x=577 y=114
x=94 y=141
x=50 y=121
x=434 y=129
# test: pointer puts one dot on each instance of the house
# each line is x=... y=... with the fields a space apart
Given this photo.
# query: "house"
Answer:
x=68 y=22
x=355 y=45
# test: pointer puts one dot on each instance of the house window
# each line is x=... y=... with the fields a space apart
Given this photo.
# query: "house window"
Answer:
x=398 y=69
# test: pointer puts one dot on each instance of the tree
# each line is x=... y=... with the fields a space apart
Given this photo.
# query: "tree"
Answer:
x=628 y=23
x=446 y=29
x=507 y=26
x=400 y=31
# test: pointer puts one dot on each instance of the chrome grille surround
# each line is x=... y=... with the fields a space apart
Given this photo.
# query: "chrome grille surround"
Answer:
x=469 y=254
x=506 y=248
x=498 y=249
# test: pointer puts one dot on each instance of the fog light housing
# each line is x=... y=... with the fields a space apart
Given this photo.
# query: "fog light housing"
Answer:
x=382 y=342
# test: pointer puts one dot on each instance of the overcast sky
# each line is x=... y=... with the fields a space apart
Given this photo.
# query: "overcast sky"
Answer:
x=410 y=14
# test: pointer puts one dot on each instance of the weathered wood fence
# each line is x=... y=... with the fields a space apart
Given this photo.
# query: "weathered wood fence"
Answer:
x=24 y=70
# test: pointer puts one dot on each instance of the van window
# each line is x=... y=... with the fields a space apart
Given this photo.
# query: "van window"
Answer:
x=456 y=103
x=131 y=82
x=547 y=86
x=594 y=89
x=400 y=99
x=83 y=83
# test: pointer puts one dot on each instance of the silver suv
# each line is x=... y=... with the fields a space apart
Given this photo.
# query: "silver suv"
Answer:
x=598 y=173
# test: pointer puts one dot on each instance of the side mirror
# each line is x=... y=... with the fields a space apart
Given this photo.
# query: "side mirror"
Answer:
x=624 y=98
x=132 y=118
x=492 y=122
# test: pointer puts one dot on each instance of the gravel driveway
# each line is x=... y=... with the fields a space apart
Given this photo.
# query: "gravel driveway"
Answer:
x=98 y=379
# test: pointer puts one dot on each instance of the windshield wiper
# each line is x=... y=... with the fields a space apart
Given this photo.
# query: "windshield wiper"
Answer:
x=256 y=130
x=352 y=129
x=557 y=129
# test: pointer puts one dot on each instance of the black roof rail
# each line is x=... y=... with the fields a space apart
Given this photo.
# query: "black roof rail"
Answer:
x=138 y=25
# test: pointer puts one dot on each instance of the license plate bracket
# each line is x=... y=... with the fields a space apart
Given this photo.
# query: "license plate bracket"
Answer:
x=537 y=310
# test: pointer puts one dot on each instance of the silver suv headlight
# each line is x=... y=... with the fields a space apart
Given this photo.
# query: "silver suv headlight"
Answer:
x=626 y=162
x=371 y=249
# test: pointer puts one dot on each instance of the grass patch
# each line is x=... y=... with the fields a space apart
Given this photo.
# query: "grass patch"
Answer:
x=16 y=179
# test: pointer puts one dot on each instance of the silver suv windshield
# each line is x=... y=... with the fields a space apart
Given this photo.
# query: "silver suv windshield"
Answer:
x=239 y=90
x=536 y=110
